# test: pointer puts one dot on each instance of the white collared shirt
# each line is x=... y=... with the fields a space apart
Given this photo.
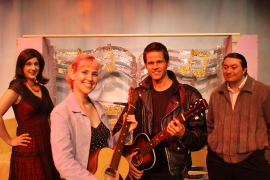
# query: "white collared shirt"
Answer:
x=234 y=94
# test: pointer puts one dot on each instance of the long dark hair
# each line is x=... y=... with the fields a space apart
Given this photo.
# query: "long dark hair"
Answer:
x=23 y=57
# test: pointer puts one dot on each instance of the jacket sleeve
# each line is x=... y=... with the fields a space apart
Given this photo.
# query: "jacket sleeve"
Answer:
x=62 y=148
x=266 y=111
x=210 y=117
x=195 y=136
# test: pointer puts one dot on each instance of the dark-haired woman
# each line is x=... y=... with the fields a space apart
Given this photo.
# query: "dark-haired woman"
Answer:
x=31 y=157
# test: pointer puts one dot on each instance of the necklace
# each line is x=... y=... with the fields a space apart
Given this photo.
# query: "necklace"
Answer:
x=31 y=87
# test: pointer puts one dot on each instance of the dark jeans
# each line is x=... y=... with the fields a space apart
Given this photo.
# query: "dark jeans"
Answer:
x=254 y=167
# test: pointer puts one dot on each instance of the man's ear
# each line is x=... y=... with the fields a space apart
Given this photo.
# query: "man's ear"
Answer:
x=168 y=63
x=245 y=70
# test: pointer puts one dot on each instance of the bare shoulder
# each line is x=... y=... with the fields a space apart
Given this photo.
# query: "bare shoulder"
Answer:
x=9 y=97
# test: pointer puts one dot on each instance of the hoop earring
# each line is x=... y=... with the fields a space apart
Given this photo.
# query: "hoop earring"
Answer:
x=36 y=81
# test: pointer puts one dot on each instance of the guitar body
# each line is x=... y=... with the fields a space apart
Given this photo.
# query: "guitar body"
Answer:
x=139 y=161
x=109 y=164
x=145 y=157
x=99 y=165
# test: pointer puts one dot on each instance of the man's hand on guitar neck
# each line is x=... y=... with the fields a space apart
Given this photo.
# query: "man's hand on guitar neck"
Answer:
x=134 y=173
x=175 y=128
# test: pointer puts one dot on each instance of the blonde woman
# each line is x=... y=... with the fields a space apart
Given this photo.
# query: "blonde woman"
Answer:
x=79 y=124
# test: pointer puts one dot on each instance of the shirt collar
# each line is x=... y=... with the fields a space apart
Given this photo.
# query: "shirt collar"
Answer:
x=241 y=85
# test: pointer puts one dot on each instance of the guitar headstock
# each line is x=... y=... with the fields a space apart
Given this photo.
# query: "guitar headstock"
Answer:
x=132 y=100
x=198 y=107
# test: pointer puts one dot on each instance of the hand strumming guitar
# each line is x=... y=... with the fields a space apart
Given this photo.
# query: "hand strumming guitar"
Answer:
x=133 y=171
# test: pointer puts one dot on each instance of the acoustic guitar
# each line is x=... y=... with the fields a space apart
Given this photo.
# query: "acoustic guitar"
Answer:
x=107 y=163
x=145 y=157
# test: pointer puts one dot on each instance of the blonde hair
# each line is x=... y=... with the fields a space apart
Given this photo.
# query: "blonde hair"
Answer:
x=75 y=64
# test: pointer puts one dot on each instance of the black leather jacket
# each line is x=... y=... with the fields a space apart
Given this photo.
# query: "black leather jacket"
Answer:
x=195 y=137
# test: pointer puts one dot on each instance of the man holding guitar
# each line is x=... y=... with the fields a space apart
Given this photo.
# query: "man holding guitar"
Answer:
x=161 y=99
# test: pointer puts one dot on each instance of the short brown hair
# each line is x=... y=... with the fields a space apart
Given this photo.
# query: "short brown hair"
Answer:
x=156 y=46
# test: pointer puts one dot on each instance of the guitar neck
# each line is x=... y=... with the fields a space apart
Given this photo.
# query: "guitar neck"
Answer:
x=158 y=138
x=197 y=107
x=121 y=141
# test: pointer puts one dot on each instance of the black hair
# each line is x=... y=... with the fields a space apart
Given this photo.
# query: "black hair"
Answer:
x=243 y=61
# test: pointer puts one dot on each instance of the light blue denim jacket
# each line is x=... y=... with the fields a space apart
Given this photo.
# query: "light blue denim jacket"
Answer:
x=71 y=136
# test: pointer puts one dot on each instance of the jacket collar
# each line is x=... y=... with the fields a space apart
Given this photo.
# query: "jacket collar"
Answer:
x=248 y=87
x=73 y=103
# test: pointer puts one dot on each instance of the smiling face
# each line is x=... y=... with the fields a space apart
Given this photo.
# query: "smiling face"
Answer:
x=156 y=65
x=31 y=69
x=85 y=78
x=233 y=71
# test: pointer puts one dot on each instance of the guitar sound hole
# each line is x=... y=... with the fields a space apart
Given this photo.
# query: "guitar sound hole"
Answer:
x=111 y=172
x=137 y=159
